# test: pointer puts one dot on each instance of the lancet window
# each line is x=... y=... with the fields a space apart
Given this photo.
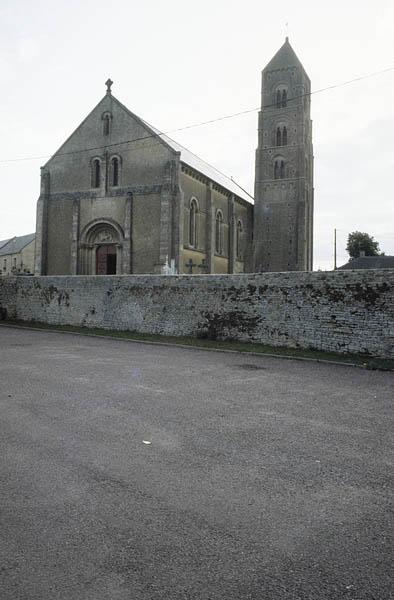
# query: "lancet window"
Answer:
x=219 y=232
x=193 y=223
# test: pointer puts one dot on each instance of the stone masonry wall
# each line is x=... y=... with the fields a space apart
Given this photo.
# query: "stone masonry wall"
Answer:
x=341 y=311
x=8 y=295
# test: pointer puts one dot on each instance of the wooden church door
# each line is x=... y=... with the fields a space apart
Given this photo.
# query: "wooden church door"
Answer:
x=106 y=260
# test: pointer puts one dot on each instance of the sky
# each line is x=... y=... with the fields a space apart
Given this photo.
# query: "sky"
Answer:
x=176 y=63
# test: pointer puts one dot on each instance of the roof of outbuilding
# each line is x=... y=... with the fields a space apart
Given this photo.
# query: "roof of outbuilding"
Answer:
x=370 y=262
x=16 y=244
x=4 y=242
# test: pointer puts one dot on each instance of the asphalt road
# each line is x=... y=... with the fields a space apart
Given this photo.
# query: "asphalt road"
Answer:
x=265 y=478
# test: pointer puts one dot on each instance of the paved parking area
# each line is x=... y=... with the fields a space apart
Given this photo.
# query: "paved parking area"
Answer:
x=264 y=479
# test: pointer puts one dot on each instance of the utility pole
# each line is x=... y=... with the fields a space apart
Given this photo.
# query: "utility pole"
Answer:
x=335 y=249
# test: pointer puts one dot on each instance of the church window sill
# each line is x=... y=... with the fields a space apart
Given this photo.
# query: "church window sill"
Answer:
x=193 y=248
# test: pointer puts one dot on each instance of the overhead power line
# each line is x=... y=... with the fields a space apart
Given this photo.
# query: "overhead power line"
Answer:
x=202 y=123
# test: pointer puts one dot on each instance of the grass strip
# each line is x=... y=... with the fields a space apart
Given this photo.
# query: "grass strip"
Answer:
x=360 y=360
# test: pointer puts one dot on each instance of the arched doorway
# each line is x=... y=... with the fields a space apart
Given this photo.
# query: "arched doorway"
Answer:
x=101 y=246
x=106 y=260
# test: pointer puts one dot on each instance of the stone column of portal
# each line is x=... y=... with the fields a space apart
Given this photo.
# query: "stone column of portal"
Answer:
x=231 y=234
x=74 y=268
x=40 y=255
x=209 y=230
x=127 y=242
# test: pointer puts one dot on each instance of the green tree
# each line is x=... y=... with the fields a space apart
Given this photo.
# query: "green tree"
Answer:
x=358 y=242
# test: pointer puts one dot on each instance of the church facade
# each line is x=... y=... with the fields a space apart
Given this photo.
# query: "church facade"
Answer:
x=121 y=197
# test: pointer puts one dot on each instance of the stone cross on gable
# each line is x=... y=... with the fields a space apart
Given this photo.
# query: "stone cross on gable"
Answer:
x=108 y=83
x=189 y=265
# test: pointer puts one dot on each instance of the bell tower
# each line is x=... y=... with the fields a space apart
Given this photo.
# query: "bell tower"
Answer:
x=283 y=211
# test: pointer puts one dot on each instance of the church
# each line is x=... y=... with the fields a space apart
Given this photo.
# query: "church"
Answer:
x=121 y=197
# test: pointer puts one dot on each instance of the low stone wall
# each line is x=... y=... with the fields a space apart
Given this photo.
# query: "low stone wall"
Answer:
x=341 y=311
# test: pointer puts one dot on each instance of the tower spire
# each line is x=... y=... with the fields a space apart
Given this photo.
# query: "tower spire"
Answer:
x=283 y=218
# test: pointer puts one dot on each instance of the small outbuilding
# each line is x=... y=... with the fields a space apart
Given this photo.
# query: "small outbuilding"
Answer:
x=17 y=255
x=369 y=262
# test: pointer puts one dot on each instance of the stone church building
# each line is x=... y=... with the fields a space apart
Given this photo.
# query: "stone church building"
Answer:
x=120 y=197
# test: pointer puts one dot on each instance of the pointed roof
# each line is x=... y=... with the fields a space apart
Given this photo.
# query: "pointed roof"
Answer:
x=285 y=57
x=17 y=244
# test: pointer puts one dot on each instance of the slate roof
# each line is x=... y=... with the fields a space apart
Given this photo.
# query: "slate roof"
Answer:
x=193 y=160
x=370 y=262
x=16 y=244
x=201 y=166
x=4 y=242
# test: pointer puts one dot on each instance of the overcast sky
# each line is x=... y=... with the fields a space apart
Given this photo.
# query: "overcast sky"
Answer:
x=177 y=62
